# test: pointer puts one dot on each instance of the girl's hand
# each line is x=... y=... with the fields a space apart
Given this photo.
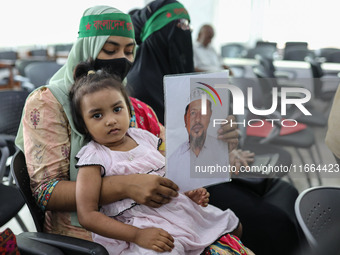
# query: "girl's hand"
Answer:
x=199 y=196
x=155 y=239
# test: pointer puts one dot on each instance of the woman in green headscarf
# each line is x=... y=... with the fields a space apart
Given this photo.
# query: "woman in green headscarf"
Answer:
x=48 y=137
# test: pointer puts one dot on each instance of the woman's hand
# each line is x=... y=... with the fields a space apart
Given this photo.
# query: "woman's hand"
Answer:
x=155 y=239
x=240 y=158
x=229 y=133
x=151 y=190
x=199 y=196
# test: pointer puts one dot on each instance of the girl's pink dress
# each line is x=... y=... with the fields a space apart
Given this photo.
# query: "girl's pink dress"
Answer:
x=193 y=227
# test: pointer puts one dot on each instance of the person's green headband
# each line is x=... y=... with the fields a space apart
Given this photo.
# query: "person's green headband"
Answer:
x=163 y=16
x=118 y=24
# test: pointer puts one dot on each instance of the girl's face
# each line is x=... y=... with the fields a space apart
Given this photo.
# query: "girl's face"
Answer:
x=117 y=47
x=106 y=116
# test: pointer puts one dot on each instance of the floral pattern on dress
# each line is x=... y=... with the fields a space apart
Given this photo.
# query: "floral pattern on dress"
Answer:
x=35 y=117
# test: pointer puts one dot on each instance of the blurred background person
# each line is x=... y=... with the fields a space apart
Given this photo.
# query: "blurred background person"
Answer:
x=205 y=56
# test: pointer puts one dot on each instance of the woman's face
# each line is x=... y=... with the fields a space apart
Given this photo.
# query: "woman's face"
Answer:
x=118 y=47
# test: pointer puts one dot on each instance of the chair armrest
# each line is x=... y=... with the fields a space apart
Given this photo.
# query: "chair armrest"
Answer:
x=29 y=246
x=10 y=138
x=3 y=157
x=25 y=82
x=68 y=245
x=289 y=75
x=2 y=142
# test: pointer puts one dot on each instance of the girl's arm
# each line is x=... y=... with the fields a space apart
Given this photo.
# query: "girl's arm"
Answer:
x=88 y=189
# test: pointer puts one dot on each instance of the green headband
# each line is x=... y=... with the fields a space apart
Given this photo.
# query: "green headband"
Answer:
x=118 y=24
x=163 y=16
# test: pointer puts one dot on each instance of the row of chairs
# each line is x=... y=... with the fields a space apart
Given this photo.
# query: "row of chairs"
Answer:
x=33 y=73
x=293 y=51
x=262 y=78
x=36 y=69
x=40 y=53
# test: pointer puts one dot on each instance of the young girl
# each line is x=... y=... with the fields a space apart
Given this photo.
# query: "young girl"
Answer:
x=186 y=225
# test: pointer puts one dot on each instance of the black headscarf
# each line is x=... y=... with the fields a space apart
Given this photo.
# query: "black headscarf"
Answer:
x=166 y=51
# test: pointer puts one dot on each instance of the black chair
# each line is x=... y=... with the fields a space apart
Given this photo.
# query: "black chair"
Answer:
x=323 y=53
x=29 y=246
x=298 y=54
x=295 y=44
x=21 y=64
x=302 y=47
x=68 y=245
x=11 y=105
x=62 y=50
x=42 y=53
x=334 y=57
x=233 y=50
x=9 y=55
x=318 y=213
x=11 y=202
x=38 y=73
x=325 y=86
x=262 y=48
x=22 y=180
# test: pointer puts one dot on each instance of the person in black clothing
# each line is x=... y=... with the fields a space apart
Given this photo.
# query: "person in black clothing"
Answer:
x=265 y=206
x=164 y=47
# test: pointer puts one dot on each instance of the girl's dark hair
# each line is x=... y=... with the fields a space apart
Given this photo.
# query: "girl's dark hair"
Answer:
x=88 y=81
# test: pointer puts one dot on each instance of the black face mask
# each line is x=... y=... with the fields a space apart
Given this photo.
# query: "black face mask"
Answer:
x=117 y=66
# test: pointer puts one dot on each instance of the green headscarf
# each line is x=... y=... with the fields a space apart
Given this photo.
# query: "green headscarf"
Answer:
x=162 y=17
x=87 y=46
